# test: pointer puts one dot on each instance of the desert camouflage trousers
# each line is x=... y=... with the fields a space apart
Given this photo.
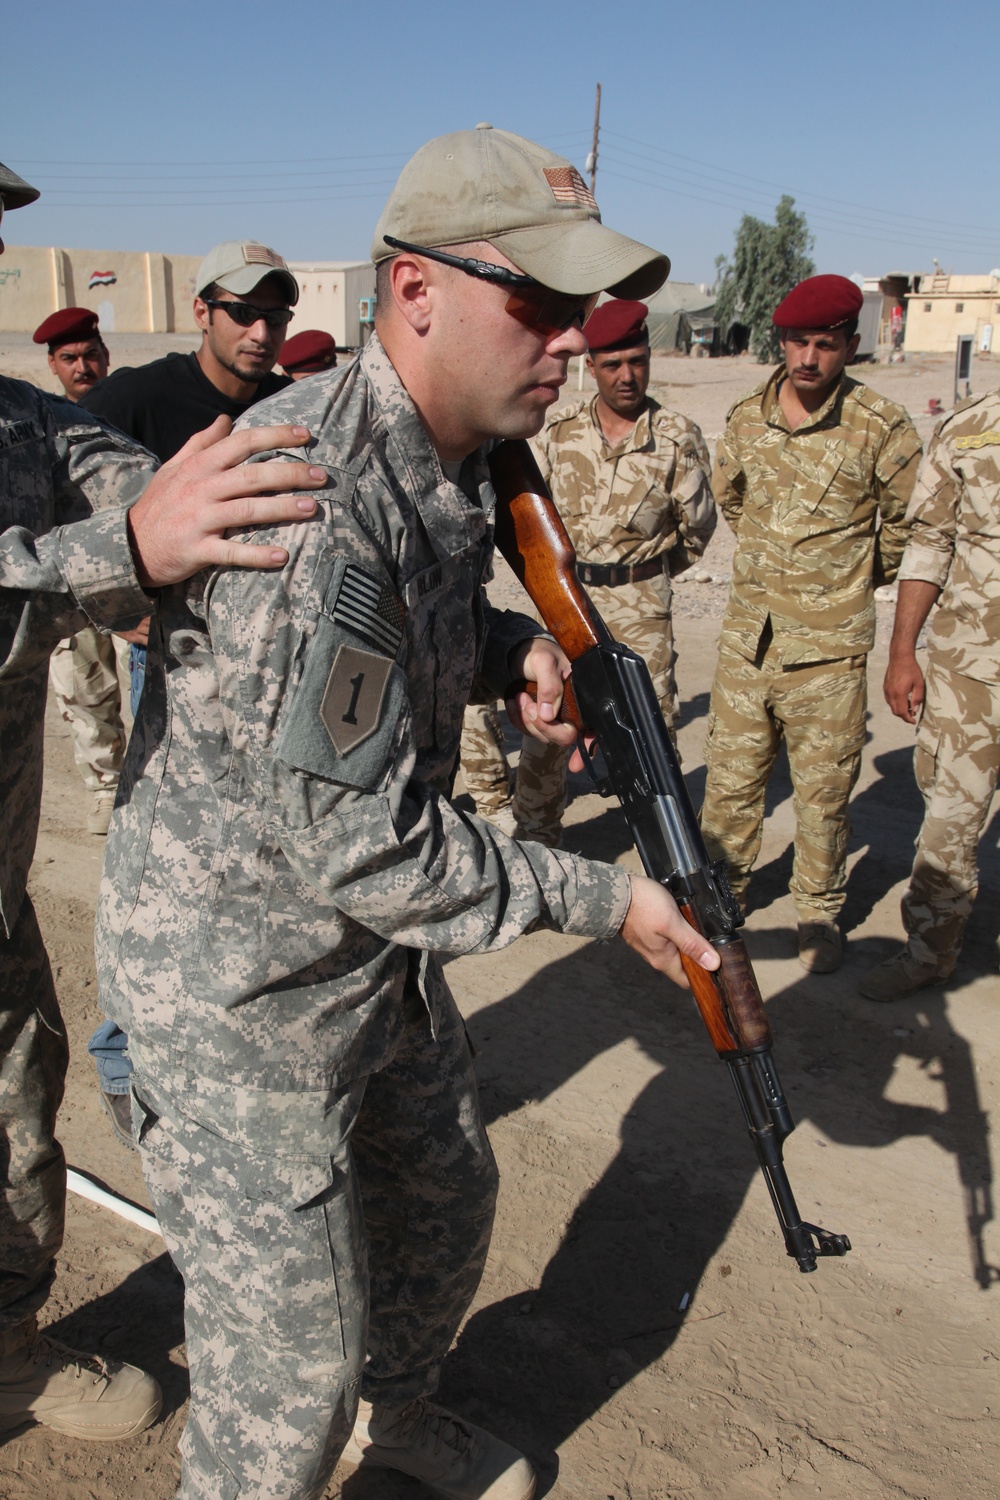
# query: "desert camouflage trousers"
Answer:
x=314 y=1276
x=956 y=763
x=819 y=711
x=485 y=769
x=84 y=678
x=637 y=614
x=33 y=1058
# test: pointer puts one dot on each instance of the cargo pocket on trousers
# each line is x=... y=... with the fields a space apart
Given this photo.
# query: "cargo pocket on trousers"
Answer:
x=310 y=1257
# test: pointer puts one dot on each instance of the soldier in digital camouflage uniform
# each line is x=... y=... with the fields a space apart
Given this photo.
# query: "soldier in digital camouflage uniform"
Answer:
x=287 y=868
x=632 y=484
x=60 y=567
x=83 y=672
x=952 y=558
x=813 y=473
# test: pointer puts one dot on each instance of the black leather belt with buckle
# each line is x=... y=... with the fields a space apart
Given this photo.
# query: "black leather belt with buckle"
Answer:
x=609 y=577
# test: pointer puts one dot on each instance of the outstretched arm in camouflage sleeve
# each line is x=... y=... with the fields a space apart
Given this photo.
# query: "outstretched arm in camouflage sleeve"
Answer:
x=326 y=731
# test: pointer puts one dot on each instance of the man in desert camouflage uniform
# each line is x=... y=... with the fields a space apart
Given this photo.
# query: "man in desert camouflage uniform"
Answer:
x=287 y=866
x=632 y=484
x=808 y=466
x=60 y=567
x=952 y=556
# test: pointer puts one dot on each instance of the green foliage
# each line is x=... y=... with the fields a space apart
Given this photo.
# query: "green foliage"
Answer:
x=768 y=260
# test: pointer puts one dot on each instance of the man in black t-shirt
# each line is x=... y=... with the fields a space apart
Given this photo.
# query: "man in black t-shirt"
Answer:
x=163 y=404
x=245 y=293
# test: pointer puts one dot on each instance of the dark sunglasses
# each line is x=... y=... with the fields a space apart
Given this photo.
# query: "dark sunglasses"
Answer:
x=531 y=302
x=246 y=315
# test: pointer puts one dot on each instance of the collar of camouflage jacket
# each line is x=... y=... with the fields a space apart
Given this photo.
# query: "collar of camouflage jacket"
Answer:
x=453 y=513
x=828 y=415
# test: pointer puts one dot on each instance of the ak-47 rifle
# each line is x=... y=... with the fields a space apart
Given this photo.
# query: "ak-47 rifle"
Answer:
x=611 y=696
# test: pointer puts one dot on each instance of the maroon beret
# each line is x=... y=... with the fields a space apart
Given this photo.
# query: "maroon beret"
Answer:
x=616 y=325
x=309 y=350
x=66 y=326
x=819 y=302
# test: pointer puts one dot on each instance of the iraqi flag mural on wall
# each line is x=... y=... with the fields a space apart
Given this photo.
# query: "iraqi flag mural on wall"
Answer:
x=101 y=278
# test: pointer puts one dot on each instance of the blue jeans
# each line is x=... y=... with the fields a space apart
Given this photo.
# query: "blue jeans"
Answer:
x=114 y=1067
x=136 y=676
x=109 y=1043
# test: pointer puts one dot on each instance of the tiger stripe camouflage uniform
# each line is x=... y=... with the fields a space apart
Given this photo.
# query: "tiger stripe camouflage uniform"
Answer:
x=283 y=875
x=643 y=499
x=56 y=466
x=955 y=544
x=819 y=516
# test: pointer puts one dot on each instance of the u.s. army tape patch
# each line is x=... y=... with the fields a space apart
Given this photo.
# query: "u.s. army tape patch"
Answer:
x=351 y=709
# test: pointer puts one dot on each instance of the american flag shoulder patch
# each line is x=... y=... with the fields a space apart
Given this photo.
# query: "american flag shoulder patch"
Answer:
x=567 y=186
x=369 y=609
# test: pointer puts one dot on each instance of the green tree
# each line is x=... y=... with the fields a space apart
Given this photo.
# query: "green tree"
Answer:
x=768 y=260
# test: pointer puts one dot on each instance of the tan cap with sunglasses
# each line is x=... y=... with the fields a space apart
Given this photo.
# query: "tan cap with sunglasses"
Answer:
x=531 y=205
x=239 y=265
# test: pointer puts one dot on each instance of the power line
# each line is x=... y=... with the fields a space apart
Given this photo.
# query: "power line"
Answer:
x=658 y=153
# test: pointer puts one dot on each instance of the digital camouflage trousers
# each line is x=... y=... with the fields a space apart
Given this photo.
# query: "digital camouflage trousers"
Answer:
x=33 y=1058
x=312 y=1277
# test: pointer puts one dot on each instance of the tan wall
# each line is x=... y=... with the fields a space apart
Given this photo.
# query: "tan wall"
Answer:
x=328 y=297
x=934 y=323
x=151 y=293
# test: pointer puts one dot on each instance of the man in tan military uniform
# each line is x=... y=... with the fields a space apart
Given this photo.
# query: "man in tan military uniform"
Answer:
x=809 y=465
x=632 y=483
x=953 y=556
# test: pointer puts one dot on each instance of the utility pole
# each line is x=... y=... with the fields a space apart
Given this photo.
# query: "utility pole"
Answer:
x=591 y=162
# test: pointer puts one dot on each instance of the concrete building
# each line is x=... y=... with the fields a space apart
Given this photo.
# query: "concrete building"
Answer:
x=144 y=291
x=942 y=306
x=132 y=291
x=333 y=294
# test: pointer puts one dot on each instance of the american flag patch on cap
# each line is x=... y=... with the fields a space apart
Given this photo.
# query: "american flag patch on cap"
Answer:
x=369 y=609
x=569 y=187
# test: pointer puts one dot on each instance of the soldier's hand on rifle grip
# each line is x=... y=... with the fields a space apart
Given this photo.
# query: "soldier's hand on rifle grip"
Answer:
x=547 y=667
x=654 y=927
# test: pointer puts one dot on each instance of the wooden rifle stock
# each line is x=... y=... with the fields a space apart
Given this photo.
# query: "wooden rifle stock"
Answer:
x=614 y=700
x=530 y=534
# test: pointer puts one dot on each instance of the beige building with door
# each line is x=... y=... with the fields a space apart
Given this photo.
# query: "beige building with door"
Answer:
x=947 y=306
x=144 y=291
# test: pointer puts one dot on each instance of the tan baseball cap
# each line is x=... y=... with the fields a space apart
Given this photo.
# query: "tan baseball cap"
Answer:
x=531 y=205
x=15 y=192
x=240 y=265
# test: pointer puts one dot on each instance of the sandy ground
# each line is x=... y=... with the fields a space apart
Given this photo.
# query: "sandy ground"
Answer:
x=639 y=1330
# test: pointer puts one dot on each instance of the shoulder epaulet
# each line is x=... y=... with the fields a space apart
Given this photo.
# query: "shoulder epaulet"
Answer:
x=568 y=410
x=753 y=395
x=890 y=411
x=966 y=404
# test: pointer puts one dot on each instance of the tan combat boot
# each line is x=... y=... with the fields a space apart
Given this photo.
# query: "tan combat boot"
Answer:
x=896 y=977
x=451 y=1456
x=99 y=817
x=821 y=947
x=78 y=1394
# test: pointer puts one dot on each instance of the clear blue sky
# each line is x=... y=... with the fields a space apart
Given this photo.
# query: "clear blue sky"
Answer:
x=170 y=127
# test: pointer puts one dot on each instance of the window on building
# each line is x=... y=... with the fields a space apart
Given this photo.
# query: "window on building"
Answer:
x=960 y=307
x=927 y=307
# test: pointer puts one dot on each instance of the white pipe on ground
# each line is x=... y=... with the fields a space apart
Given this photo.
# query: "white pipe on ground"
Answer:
x=85 y=1187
